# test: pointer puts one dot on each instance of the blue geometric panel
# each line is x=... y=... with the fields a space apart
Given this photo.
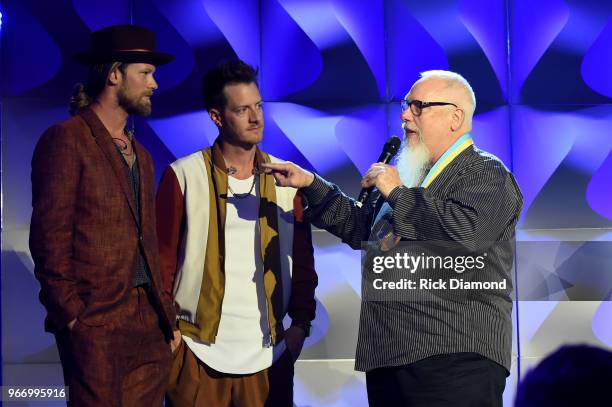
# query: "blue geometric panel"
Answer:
x=534 y=25
x=491 y=134
x=17 y=151
x=602 y=328
x=597 y=61
x=186 y=30
x=363 y=127
x=173 y=36
x=408 y=42
x=563 y=270
x=160 y=153
x=101 y=13
x=564 y=32
x=532 y=167
x=559 y=152
x=276 y=142
x=291 y=59
x=238 y=21
x=31 y=344
x=364 y=23
x=451 y=25
x=485 y=19
x=312 y=132
x=27 y=44
x=337 y=68
x=599 y=190
x=197 y=132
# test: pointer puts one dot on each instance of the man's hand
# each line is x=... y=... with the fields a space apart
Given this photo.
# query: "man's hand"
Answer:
x=384 y=177
x=288 y=174
x=294 y=339
x=176 y=341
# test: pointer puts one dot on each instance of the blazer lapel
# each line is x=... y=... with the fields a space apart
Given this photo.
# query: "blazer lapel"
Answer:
x=105 y=141
x=453 y=168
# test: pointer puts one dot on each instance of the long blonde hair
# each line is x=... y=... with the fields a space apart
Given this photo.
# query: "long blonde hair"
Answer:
x=84 y=95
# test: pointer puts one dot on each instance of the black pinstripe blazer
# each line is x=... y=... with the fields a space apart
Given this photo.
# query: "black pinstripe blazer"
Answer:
x=475 y=201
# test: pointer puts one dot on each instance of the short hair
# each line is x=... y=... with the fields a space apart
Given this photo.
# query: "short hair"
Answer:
x=453 y=79
x=84 y=95
x=216 y=79
x=574 y=375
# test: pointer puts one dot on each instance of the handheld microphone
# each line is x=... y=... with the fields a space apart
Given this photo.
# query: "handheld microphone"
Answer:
x=389 y=151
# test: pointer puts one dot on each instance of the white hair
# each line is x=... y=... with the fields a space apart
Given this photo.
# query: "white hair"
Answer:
x=454 y=80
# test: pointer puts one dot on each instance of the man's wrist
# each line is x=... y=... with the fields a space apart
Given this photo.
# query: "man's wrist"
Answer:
x=315 y=192
x=394 y=195
x=309 y=179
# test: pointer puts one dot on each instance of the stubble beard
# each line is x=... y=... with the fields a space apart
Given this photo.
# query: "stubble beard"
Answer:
x=140 y=105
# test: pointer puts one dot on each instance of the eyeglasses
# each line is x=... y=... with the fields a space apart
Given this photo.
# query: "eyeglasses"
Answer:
x=416 y=106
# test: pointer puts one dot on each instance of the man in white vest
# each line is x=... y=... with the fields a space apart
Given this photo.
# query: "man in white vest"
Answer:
x=237 y=257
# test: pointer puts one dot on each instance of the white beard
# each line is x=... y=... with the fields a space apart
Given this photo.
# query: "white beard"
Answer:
x=413 y=162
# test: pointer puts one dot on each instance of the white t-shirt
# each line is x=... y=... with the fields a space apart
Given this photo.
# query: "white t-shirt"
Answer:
x=243 y=338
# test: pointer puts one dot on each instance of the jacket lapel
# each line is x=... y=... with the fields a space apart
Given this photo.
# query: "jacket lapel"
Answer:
x=451 y=170
x=105 y=141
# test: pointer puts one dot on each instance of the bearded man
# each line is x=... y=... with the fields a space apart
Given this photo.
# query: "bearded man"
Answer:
x=93 y=235
x=439 y=352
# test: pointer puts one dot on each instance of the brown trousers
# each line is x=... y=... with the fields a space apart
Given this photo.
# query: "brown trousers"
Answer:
x=194 y=384
x=125 y=362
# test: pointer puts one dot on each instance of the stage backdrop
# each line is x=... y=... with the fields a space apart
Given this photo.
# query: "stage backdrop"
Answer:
x=332 y=73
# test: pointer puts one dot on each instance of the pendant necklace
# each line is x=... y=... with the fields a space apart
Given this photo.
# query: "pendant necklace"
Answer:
x=231 y=171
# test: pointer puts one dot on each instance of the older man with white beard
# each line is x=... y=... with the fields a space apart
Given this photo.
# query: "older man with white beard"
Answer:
x=441 y=352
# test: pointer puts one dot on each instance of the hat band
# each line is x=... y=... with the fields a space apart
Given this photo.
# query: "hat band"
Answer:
x=133 y=50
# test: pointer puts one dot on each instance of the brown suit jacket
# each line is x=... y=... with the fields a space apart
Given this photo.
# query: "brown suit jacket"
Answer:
x=84 y=233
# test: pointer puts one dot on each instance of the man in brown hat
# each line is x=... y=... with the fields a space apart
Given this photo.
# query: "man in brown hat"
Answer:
x=93 y=237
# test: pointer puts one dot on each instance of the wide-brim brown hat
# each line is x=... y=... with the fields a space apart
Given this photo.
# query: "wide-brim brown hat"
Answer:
x=123 y=43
